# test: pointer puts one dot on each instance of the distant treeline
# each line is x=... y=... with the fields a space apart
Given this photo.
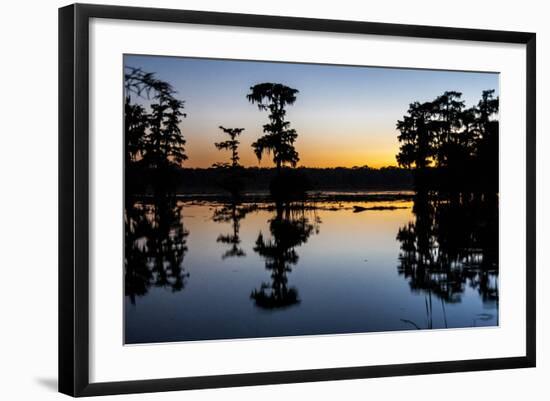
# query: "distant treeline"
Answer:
x=212 y=180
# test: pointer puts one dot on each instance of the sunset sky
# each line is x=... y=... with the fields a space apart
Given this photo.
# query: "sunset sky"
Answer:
x=345 y=116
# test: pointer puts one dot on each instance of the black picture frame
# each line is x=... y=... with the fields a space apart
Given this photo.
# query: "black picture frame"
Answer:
x=74 y=198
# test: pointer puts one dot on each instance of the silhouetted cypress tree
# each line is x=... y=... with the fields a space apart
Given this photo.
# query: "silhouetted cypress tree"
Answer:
x=458 y=147
x=153 y=137
x=231 y=144
x=279 y=138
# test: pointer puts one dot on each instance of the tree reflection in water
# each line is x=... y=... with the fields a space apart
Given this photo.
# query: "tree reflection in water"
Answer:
x=232 y=213
x=155 y=246
x=290 y=228
x=452 y=243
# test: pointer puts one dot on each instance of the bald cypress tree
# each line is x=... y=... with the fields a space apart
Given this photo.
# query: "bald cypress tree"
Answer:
x=279 y=138
x=231 y=144
x=153 y=137
x=417 y=139
x=451 y=147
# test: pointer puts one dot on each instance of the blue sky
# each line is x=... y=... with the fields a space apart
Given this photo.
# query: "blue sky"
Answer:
x=344 y=115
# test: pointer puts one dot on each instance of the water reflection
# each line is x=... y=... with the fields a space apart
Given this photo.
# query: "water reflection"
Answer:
x=249 y=256
x=451 y=243
x=232 y=213
x=155 y=246
x=289 y=228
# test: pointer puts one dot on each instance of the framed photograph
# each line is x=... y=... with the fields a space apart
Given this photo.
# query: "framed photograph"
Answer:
x=250 y=199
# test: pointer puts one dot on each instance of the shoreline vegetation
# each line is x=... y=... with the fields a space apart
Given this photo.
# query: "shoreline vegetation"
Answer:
x=203 y=182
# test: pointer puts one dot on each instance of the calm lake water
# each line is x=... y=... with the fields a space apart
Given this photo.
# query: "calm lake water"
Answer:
x=203 y=270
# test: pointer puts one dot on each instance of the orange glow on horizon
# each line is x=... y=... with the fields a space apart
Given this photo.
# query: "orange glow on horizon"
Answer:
x=317 y=161
x=350 y=149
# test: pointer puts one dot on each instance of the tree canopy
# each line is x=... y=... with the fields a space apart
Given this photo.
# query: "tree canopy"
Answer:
x=231 y=144
x=445 y=135
x=279 y=138
x=153 y=137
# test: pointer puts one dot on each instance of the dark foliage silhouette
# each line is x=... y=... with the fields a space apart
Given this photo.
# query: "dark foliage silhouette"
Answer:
x=289 y=229
x=136 y=123
x=231 y=144
x=279 y=138
x=165 y=142
x=416 y=137
x=210 y=180
x=144 y=83
x=154 y=137
x=451 y=148
x=230 y=176
x=155 y=246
